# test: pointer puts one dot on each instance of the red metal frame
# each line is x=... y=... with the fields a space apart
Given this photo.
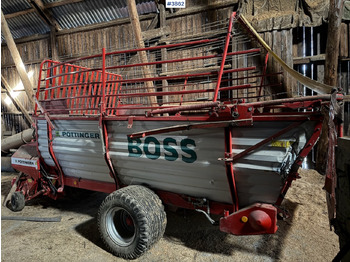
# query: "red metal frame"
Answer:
x=53 y=156
x=227 y=42
x=229 y=169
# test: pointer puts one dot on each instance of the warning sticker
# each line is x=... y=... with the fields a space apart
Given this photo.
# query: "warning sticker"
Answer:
x=282 y=143
x=24 y=162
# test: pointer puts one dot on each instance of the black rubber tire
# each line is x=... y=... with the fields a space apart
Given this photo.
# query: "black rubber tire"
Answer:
x=131 y=220
x=17 y=202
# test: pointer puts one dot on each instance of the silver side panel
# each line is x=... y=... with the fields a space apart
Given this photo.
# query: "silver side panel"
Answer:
x=184 y=162
x=205 y=177
x=78 y=157
x=261 y=174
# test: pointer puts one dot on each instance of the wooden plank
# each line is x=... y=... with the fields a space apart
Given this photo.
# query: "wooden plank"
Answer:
x=199 y=9
x=154 y=33
x=333 y=39
x=308 y=59
x=44 y=13
x=53 y=44
x=164 y=52
x=330 y=78
x=135 y=23
x=289 y=81
x=61 y=2
x=344 y=41
x=23 y=12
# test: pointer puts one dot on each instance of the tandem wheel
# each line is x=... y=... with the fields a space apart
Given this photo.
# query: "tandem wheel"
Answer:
x=131 y=220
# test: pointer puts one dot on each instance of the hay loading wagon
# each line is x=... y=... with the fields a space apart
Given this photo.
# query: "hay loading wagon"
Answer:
x=198 y=129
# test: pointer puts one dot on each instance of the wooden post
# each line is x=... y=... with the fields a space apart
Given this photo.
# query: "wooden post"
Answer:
x=54 y=52
x=16 y=101
x=135 y=23
x=17 y=59
x=330 y=75
x=333 y=39
x=164 y=53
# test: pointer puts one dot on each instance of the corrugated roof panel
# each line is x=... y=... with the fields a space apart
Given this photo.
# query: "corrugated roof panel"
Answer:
x=26 y=25
x=96 y=11
x=14 y=6
x=70 y=15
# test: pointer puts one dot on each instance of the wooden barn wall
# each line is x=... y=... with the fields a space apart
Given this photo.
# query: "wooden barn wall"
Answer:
x=32 y=54
x=286 y=43
x=309 y=46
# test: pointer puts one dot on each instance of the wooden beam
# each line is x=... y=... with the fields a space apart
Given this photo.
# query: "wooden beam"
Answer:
x=198 y=9
x=31 y=38
x=44 y=13
x=330 y=78
x=61 y=2
x=121 y=21
x=17 y=59
x=15 y=101
x=164 y=52
x=133 y=57
x=53 y=44
x=23 y=12
x=333 y=39
x=344 y=41
x=308 y=59
x=154 y=33
x=135 y=23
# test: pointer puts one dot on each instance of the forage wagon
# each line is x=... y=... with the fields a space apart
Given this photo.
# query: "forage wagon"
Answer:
x=204 y=134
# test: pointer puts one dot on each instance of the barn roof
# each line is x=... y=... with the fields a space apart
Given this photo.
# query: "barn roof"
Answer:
x=24 y=20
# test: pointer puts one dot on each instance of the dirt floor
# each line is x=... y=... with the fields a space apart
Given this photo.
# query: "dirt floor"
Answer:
x=188 y=237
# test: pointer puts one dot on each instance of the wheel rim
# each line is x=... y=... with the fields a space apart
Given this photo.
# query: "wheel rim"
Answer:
x=120 y=226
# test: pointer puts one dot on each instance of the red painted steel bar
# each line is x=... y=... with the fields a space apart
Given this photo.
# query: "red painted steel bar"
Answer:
x=53 y=82
x=256 y=50
x=175 y=128
x=38 y=88
x=164 y=46
x=263 y=74
x=229 y=168
x=291 y=100
x=183 y=108
x=65 y=81
x=103 y=102
x=183 y=89
x=136 y=80
x=166 y=93
x=224 y=56
x=137 y=50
